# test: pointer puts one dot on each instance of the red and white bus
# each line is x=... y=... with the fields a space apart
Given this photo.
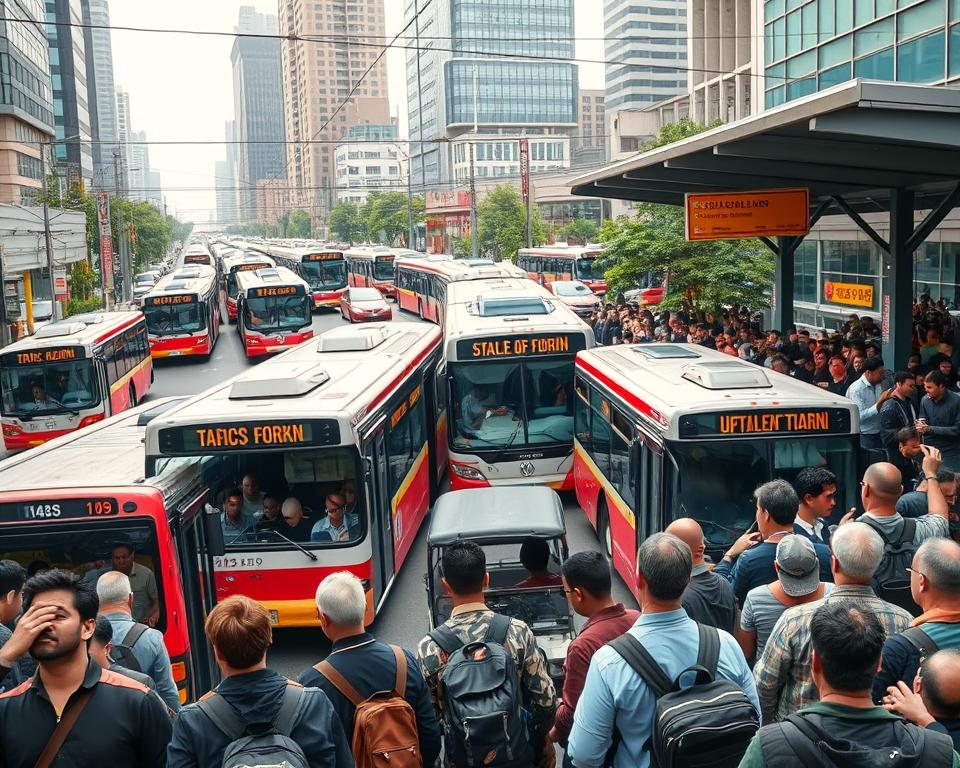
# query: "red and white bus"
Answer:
x=273 y=310
x=665 y=431
x=245 y=261
x=350 y=412
x=71 y=503
x=564 y=262
x=71 y=374
x=422 y=280
x=183 y=313
x=372 y=268
x=196 y=254
x=509 y=347
x=324 y=269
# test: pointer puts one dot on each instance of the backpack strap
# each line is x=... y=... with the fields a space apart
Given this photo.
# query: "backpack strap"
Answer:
x=401 y=685
x=133 y=634
x=446 y=639
x=708 y=653
x=641 y=662
x=920 y=640
x=908 y=531
x=876 y=526
x=339 y=682
x=294 y=700
x=498 y=629
x=223 y=715
x=796 y=739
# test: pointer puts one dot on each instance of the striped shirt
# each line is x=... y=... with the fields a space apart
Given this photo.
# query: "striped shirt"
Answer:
x=782 y=673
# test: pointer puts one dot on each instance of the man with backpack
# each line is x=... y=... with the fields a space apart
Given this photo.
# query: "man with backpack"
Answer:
x=935 y=584
x=477 y=649
x=376 y=689
x=643 y=702
x=845 y=728
x=136 y=646
x=255 y=717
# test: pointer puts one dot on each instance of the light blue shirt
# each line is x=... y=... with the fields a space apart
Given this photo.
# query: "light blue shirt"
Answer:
x=865 y=395
x=348 y=528
x=616 y=695
x=151 y=654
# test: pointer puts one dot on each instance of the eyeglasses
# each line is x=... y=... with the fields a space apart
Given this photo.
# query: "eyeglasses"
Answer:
x=340 y=508
x=914 y=570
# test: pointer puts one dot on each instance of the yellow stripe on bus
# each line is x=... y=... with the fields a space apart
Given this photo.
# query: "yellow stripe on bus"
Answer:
x=127 y=376
x=613 y=498
x=405 y=485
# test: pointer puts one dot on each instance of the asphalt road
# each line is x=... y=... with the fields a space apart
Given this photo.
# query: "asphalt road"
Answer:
x=403 y=620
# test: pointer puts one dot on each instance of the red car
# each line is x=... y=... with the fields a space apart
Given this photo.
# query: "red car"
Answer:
x=359 y=305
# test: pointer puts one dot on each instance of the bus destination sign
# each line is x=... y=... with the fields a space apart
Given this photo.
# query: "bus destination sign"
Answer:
x=249 y=436
x=795 y=421
x=530 y=345
x=280 y=290
x=40 y=356
x=161 y=301
x=196 y=258
x=334 y=256
x=58 y=509
x=250 y=267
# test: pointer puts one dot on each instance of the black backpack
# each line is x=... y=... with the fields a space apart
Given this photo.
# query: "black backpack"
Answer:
x=482 y=719
x=259 y=745
x=123 y=651
x=709 y=723
x=891 y=581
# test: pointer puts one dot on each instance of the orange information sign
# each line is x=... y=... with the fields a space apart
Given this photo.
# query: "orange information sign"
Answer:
x=853 y=294
x=730 y=215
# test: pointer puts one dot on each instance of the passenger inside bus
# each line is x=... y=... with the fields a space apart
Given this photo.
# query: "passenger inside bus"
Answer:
x=146 y=599
x=269 y=515
x=338 y=525
x=47 y=387
x=295 y=525
x=234 y=521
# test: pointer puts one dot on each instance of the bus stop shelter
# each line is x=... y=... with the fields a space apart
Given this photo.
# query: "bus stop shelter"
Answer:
x=860 y=147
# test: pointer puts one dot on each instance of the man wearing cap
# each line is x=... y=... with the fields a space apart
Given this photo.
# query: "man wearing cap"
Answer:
x=798 y=582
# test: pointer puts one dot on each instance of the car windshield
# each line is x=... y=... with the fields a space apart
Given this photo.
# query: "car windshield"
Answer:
x=47 y=388
x=277 y=313
x=383 y=268
x=173 y=319
x=365 y=294
x=571 y=288
x=510 y=404
x=714 y=481
x=589 y=269
x=325 y=274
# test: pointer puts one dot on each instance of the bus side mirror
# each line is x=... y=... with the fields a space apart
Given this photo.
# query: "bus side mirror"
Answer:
x=213 y=532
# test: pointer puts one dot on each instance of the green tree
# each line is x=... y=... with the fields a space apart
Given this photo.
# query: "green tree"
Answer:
x=582 y=230
x=701 y=275
x=299 y=226
x=502 y=224
x=385 y=214
x=346 y=222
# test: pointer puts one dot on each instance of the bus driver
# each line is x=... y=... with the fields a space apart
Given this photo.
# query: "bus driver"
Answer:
x=474 y=412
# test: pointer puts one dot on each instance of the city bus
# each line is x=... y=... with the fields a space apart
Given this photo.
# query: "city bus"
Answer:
x=245 y=261
x=665 y=431
x=72 y=502
x=564 y=262
x=71 y=374
x=183 y=313
x=509 y=348
x=273 y=310
x=324 y=269
x=196 y=254
x=350 y=412
x=372 y=268
x=422 y=280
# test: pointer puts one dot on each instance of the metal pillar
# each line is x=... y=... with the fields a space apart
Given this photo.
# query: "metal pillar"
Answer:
x=56 y=313
x=782 y=305
x=896 y=310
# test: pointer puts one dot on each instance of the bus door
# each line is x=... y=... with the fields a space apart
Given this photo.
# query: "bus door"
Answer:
x=103 y=380
x=378 y=504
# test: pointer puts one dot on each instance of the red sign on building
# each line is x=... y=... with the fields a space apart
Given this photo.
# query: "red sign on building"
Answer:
x=525 y=169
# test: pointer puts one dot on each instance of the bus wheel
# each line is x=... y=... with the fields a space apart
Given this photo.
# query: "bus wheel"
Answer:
x=133 y=395
x=603 y=529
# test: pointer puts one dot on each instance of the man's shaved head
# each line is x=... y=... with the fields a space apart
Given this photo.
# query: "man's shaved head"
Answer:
x=690 y=533
x=940 y=684
x=884 y=479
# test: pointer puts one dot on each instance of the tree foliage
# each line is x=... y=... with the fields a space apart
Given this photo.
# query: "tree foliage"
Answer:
x=298 y=225
x=385 y=216
x=581 y=230
x=502 y=224
x=346 y=222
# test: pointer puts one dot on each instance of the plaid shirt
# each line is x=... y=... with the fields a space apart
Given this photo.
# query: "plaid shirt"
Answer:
x=782 y=672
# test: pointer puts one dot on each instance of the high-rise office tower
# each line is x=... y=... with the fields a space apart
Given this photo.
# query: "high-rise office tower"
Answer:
x=101 y=102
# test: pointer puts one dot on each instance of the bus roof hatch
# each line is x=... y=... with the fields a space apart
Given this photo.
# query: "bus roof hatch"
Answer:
x=268 y=383
x=732 y=375
x=59 y=329
x=353 y=339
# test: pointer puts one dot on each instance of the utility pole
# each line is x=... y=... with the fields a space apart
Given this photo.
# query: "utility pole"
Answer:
x=474 y=238
x=423 y=165
x=47 y=238
x=121 y=229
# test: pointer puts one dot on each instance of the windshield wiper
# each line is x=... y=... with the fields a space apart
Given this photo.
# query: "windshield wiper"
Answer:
x=305 y=551
x=73 y=411
x=515 y=433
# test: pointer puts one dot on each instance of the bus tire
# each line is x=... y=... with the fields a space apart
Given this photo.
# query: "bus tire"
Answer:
x=133 y=395
x=603 y=529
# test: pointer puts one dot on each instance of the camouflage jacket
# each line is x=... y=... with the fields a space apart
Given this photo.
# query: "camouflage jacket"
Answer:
x=470 y=622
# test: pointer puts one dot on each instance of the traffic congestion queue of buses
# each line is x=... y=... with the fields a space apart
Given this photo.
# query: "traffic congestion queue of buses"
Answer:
x=329 y=456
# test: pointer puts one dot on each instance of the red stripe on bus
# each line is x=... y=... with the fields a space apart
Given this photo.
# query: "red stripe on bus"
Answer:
x=626 y=394
x=115 y=331
x=404 y=373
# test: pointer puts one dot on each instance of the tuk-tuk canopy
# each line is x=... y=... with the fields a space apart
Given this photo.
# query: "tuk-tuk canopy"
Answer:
x=488 y=514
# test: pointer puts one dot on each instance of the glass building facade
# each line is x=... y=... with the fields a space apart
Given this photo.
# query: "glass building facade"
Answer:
x=25 y=88
x=809 y=46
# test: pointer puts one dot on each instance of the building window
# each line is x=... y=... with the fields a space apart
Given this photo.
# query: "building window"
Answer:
x=834 y=75
x=921 y=60
x=30 y=167
x=878 y=66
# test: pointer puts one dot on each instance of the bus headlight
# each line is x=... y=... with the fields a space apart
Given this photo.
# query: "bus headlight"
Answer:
x=466 y=472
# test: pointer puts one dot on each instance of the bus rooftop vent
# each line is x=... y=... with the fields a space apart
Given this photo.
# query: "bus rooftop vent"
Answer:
x=267 y=383
x=352 y=339
x=89 y=318
x=664 y=351
x=514 y=305
x=186 y=274
x=177 y=285
x=53 y=330
x=732 y=375
x=269 y=275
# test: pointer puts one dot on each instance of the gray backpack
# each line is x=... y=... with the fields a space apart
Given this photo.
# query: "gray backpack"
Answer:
x=482 y=719
x=259 y=745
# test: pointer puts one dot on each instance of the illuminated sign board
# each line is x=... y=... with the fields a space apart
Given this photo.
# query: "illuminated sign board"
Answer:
x=40 y=356
x=250 y=267
x=756 y=423
x=730 y=215
x=160 y=301
x=386 y=257
x=850 y=294
x=58 y=509
x=530 y=345
x=196 y=258
x=282 y=290
x=249 y=436
x=334 y=256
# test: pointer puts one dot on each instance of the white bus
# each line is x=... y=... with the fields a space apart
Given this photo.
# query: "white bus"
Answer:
x=183 y=312
x=551 y=263
x=665 y=431
x=323 y=267
x=509 y=348
x=273 y=310
x=239 y=261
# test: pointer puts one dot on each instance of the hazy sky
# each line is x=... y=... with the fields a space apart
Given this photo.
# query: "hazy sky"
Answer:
x=181 y=86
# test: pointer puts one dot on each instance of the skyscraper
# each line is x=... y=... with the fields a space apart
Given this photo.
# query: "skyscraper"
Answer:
x=101 y=100
x=68 y=70
x=124 y=129
x=648 y=66
x=258 y=107
x=317 y=79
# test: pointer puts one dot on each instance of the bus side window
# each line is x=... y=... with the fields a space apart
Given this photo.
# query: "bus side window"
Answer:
x=600 y=435
x=406 y=437
x=581 y=414
x=620 y=456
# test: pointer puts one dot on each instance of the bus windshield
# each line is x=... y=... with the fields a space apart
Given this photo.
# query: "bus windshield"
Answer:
x=88 y=549
x=714 y=481
x=171 y=319
x=47 y=388
x=514 y=403
x=589 y=269
x=383 y=268
x=277 y=313
x=325 y=274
